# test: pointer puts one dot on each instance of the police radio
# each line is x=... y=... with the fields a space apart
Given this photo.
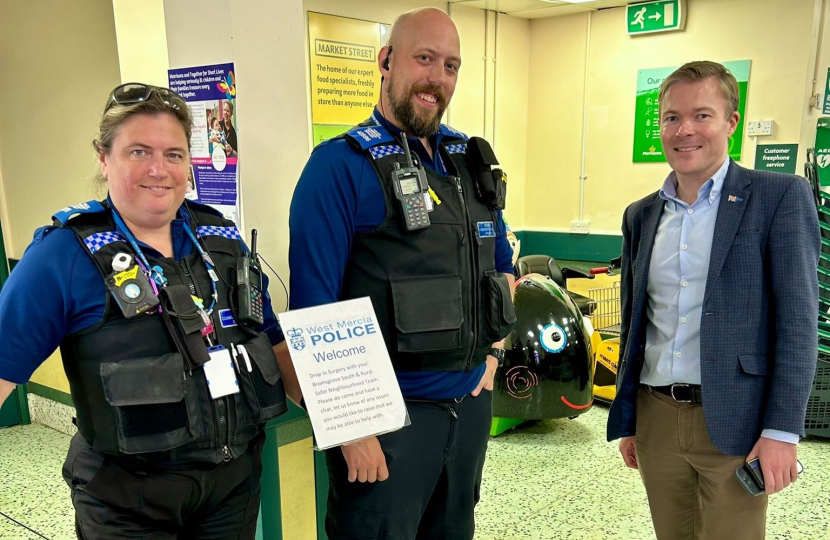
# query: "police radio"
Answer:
x=411 y=188
x=130 y=287
x=249 y=286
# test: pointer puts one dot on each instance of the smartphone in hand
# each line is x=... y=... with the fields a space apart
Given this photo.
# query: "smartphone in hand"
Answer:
x=751 y=477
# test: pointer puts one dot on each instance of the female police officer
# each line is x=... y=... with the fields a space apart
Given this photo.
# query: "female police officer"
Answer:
x=172 y=381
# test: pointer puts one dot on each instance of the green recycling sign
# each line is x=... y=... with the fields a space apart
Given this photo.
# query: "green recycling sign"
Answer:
x=651 y=17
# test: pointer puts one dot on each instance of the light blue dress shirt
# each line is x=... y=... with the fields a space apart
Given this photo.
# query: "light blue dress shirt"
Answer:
x=676 y=285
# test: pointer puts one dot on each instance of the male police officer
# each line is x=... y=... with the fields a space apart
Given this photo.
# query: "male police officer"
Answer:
x=719 y=295
x=440 y=287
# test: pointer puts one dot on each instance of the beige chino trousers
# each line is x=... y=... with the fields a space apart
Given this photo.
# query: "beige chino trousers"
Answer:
x=691 y=486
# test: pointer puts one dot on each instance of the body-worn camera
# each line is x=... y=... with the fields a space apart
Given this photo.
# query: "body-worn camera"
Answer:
x=132 y=291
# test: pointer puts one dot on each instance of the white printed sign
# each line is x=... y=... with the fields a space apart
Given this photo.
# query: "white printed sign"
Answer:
x=345 y=373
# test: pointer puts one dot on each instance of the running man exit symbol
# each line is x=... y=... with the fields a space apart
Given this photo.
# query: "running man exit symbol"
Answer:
x=639 y=18
x=659 y=16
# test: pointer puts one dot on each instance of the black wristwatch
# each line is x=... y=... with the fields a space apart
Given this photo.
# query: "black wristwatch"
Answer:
x=498 y=354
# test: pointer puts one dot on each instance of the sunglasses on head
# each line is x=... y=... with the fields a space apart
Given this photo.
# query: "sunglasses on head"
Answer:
x=132 y=93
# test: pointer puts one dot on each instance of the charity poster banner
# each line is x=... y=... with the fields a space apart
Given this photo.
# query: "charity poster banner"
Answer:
x=647 y=145
x=210 y=93
x=345 y=79
x=348 y=383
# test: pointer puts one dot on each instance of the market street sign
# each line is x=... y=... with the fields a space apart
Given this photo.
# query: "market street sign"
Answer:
x=651 y=17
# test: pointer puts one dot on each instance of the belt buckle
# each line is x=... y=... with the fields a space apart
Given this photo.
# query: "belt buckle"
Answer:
x=680 y=400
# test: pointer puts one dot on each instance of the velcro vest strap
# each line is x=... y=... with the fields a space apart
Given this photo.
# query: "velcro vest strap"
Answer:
x=454 y=142
x=62 y=216
x=448 y=131
x=97 y=232
x=377 y=143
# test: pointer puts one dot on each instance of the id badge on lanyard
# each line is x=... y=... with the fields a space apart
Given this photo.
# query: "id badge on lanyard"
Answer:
x=220 y=374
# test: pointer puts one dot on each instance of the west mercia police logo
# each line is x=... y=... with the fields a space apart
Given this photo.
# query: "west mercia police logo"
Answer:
x=295 y=337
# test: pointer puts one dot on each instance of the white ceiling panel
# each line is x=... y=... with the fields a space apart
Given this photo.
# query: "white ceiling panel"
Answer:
x=507 y=6
x=537 y=9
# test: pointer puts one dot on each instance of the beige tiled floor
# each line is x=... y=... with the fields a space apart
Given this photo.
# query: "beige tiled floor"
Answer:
x=550 y=480
x=33 y=491
x=559 y=479
x=9 y=529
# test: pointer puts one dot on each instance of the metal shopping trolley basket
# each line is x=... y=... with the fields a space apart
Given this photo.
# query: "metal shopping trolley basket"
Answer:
x=606 y=340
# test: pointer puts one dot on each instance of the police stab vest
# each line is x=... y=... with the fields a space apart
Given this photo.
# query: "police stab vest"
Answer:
x=439 y=301
x=133 y=392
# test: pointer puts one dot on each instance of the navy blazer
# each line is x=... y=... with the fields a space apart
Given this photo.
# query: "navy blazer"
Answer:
x=758 y=331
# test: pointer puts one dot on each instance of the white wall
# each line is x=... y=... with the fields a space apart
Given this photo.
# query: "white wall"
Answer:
x=716 y=30
x=267 y=41
x=59 y=62
x=512 y=76
x=142 y=40
x=816 y=76
x=58 y=59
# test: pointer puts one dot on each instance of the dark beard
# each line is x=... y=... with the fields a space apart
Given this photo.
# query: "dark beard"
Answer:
x=413 y=123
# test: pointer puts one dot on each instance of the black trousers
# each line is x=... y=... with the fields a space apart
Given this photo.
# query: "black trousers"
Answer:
x=115 y=501
x=435 y=468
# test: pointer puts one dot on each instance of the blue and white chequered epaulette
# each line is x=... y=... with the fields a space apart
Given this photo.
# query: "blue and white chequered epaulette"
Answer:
x=96 y=241
x=385 y=150
x=457 y=148
x=230 y=233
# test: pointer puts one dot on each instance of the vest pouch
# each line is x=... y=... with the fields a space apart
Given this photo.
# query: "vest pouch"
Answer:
x=262 y=387
x=177 y=303
x=154 y=410
x=428 y=313
x=499 y=315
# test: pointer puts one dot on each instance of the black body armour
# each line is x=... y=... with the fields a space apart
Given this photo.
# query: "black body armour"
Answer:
x=439 y=300
x=133 y=392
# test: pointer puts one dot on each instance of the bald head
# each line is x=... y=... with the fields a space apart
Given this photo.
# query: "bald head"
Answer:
x=407 y=26
x=420 y=66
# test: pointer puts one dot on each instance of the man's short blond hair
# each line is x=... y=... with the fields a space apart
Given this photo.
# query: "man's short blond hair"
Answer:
x=701 y=70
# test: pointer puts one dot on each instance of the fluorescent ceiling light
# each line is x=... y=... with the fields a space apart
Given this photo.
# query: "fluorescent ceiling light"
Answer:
x=568 y=1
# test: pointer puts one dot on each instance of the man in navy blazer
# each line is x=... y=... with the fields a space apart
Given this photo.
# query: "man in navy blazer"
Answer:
x=719 y=335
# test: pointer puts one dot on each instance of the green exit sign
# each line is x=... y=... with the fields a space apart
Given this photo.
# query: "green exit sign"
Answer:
x=651 y=17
